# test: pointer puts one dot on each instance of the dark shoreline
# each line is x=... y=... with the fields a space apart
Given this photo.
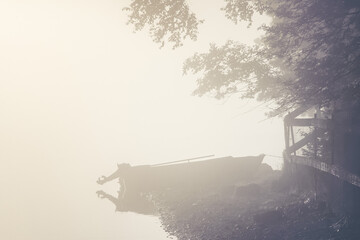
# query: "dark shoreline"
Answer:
x=264 y=208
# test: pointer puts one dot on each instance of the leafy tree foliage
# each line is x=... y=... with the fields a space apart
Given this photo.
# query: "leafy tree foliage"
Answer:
x=170 y=21
x=310 y=53
x=233 y=68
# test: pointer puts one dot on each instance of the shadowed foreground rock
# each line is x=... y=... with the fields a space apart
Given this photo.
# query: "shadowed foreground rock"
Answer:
x=257 y=210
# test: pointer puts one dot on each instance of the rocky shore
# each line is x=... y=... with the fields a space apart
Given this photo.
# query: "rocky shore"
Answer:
x=263 y=208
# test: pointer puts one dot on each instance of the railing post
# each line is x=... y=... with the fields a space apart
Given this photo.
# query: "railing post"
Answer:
x=293 y=138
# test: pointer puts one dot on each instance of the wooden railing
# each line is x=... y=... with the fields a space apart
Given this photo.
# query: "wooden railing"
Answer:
x=332 y=169
x=291 y=146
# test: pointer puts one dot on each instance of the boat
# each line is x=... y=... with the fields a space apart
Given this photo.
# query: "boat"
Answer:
x=185 y=174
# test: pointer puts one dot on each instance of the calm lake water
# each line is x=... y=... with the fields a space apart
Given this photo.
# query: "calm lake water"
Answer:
x=56 y=199
x=61 y=203
x=129 y=225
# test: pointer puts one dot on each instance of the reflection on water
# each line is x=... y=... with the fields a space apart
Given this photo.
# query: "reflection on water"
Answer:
x=134 y=207
x=137 y=203
x=137 y=217
x=127 y=200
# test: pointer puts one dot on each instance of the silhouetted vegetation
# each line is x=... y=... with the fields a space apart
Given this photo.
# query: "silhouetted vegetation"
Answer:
x=170 y=21
x=308 y=55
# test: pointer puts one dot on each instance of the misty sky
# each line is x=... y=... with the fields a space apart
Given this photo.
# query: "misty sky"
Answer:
x=80 y=92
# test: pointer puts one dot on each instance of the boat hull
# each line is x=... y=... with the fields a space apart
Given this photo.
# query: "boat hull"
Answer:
x=198 y=175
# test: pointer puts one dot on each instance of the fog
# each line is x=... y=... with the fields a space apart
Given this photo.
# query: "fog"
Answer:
x=81 y=92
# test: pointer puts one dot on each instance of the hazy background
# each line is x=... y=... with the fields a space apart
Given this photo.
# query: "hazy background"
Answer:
x=79 y=92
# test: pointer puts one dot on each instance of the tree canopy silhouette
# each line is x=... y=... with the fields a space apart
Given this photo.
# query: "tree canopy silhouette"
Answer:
x=309 y=53
x=170 y=21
